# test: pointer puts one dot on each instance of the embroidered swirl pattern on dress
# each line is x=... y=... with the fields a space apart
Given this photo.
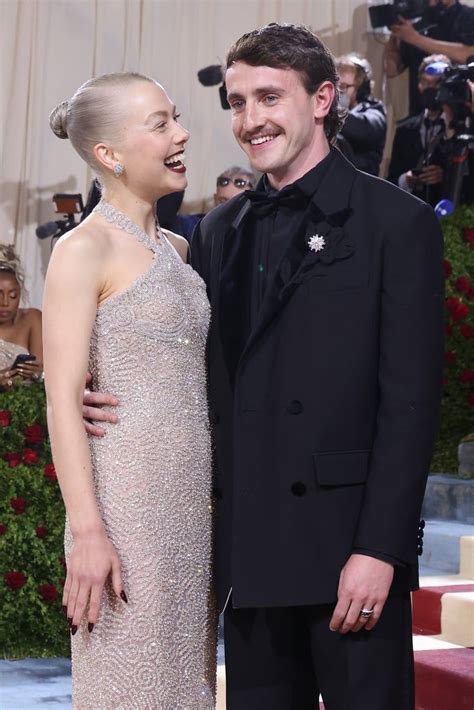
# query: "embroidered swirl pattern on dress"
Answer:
x=152 y=477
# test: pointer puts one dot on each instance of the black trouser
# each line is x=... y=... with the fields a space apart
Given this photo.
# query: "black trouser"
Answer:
x=282 y=658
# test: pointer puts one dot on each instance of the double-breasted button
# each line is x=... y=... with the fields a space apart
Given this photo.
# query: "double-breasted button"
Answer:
x=420 y=549
x=421 y=535
x=421 y=525
x=298 y=488
x=294 y=407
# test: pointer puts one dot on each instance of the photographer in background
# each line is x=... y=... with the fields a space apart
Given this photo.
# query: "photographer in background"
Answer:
x=449 y=30
x=455 y=151
x=20 y=328
x=365 y=126
x=411 y=166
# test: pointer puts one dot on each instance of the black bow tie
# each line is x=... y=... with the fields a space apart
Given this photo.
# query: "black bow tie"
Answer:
x=264 y=203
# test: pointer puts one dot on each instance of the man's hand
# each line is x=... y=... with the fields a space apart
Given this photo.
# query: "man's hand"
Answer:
x=364 y=583
x=405 y=31
x=431 y=175
x=91 y=412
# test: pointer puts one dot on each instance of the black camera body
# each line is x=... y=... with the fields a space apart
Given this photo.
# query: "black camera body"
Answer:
x=387 y=15
x=454 y=89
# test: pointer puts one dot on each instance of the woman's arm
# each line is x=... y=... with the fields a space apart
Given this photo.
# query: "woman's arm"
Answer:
x=73 y=284
x=35 y=339
x=33 y=370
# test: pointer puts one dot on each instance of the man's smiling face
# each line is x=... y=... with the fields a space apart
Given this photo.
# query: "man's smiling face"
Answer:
x=275 y=121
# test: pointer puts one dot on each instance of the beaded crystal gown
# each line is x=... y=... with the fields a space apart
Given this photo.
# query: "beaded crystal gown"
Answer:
x=152 y=475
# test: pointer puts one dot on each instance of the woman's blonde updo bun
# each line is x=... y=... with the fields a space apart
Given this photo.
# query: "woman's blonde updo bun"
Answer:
x=58 y=120
x=95 y=114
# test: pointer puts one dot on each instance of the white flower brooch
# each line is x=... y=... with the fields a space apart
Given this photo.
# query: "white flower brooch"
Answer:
x=316 y=243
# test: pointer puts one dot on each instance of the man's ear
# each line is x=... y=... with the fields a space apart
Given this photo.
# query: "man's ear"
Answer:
x=323 y=99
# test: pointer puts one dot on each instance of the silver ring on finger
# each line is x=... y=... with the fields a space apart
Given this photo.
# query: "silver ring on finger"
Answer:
x=366 y=613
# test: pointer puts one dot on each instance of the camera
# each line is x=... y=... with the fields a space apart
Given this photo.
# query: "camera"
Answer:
x=68 y=205
x=387 y=15
x=454 y=89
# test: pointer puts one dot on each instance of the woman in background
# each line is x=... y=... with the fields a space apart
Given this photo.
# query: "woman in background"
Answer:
x=121 y=302
x=20 y=328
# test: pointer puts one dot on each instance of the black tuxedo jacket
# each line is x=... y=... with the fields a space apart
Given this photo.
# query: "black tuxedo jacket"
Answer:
x=324 y=419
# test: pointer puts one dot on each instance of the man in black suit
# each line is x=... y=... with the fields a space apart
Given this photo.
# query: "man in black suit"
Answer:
x=325 y=359
x=415 y=162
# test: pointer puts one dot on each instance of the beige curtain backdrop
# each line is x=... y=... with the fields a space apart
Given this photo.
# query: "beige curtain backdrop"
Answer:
x=50 y=47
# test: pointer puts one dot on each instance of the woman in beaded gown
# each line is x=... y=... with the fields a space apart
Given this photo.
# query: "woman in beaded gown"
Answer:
x=138 y=539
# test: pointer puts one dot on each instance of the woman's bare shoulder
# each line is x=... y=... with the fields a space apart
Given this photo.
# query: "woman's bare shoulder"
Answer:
x=180 y=244
x=31 y=315
x=88 y=240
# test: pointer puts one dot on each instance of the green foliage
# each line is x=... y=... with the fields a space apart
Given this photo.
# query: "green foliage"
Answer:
x=30 y=625
x=457 y=407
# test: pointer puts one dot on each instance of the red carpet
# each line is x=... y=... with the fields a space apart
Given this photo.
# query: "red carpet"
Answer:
x=445 y=679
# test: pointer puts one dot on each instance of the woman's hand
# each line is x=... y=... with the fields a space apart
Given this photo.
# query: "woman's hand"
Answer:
x=30 y=370
x=93 y=558
x=6 y=377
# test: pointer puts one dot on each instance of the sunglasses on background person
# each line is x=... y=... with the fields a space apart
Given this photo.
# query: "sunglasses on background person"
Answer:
x=238 y=182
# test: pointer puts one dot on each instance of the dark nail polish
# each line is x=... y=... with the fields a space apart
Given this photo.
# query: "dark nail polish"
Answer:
x=90 y=627
x=73 y=629
x=69 y=621
x=123 y=596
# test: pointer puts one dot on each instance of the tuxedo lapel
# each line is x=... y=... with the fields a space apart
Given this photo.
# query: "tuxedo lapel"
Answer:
x=235 y=289
x=325 y=217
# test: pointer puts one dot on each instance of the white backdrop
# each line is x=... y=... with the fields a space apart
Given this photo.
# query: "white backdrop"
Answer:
x=50 y=47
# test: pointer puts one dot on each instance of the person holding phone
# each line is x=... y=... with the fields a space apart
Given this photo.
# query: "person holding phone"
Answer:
x=21 y=349
x=138 y=590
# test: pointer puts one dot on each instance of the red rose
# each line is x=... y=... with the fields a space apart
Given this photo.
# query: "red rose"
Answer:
x=470 y=293
x=15 y=580
x=457 y=309
x=48 y=592
x=448 y=269
x=42 y=532
x=463 y=284
x=4 y=417
x=3 y=529
x=467 y=330
x=470 y=397
x=30 y=456
x=468 y=234
x=18 y=505
x=34 y=434
x=12 y=459
x=448 y=329
x=50 y=472
x=450 y=357
x=466 y=376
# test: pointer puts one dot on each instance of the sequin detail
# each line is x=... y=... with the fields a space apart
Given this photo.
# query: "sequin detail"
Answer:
x=152 y=476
